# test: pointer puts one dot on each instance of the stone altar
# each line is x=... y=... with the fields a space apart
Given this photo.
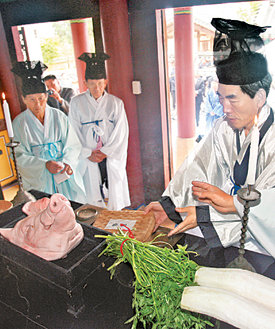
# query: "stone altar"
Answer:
x=74 y=292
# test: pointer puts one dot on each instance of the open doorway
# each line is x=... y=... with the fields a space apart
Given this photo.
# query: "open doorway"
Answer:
x=203 y=82
x=53 y=44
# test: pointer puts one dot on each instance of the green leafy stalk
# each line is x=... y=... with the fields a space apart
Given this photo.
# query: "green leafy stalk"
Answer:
x=161 y=274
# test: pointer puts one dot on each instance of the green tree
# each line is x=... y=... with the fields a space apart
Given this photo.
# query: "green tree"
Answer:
x=50 y=49
x=62 y=31
x=249 y=15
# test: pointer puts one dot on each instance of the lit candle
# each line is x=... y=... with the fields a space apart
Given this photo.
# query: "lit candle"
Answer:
x=254 y=145
x=7 y=116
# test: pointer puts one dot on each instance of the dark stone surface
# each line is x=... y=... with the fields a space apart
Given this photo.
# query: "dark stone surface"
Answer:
x=74 y=292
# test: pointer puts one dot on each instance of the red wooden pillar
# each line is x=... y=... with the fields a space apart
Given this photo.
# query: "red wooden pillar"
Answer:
x=6 y=76
x=184 y=72
x=81 y=44
x=116 y=41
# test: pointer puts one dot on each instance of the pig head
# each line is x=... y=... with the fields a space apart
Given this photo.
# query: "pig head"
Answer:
x=33 y=207
x=50 y=231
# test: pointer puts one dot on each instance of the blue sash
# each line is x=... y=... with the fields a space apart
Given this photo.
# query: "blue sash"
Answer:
x=95 y=136
x=49 y=151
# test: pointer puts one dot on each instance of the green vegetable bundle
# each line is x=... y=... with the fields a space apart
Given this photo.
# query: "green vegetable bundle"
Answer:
x=161 y=274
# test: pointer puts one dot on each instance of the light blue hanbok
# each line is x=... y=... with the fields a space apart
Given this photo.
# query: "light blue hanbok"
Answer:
x=55 y=140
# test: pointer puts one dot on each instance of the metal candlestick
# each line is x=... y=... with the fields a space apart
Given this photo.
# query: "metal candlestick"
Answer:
x=21 y=196
x=251 y=197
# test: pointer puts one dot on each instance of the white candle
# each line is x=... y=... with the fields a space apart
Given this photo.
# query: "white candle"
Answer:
x=252 y=164
x=7 y=117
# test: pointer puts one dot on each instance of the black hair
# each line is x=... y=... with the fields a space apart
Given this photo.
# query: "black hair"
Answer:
x=252 y=88
x=49 y=77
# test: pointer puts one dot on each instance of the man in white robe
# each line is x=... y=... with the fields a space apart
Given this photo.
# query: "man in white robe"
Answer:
x=219 y=165
x=100 y=122
x=47 y=155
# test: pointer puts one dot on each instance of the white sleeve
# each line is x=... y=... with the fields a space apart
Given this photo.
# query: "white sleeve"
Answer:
x=261 y=222
x=76 y=123
x=238 y=205
x=117 y=144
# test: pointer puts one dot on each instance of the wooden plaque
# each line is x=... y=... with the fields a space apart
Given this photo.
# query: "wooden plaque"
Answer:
x=142 y=225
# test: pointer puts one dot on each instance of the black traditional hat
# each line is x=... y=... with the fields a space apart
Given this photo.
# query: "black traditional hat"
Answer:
x=95 y=65
x=235 y=52
x=31 y=74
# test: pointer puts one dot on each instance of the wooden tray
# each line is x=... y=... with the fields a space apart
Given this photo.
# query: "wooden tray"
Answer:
x=140 y=224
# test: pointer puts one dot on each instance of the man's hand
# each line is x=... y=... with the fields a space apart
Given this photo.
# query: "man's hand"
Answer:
x=56 y=95
x=97 y=156
x=214 y=196
x=68 y=169
x=159 y=213
x=54 y=166
x=189 y=222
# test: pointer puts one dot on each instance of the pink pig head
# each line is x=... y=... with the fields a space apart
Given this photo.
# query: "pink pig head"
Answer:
x=34 y=207
x=61 y=214
x=50 y=233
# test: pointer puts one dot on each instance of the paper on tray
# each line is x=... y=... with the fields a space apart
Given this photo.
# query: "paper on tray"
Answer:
x=114 y=224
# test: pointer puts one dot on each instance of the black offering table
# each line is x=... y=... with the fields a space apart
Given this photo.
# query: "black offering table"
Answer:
x=75 y=292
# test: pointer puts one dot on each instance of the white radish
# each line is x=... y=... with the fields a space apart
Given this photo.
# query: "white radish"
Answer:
x=253 y=286
x=227 y=307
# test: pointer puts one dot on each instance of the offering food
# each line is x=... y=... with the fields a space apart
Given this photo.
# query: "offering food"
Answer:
x=223 y=305
x=86 y=213
x=250 y=285
x=32 y=208
x=50 y=231
x=5 y=205
x=238 y=297
x=160 y=277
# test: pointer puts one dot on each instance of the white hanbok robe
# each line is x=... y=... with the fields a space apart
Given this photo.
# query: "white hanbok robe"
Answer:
x=213 y=162
x=55 y=140
x=103 y=120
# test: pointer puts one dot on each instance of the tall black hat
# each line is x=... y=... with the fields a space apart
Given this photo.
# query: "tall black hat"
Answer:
x=95 y=65
x=31 y=74
x=236 y=55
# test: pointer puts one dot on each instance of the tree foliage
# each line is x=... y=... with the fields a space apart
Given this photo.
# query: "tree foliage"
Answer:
x=50 y=49
x=249 y=14
x=61 y=45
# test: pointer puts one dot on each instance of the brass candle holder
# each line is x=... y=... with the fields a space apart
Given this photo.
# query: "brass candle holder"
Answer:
x=22 y=196
x=251 y=197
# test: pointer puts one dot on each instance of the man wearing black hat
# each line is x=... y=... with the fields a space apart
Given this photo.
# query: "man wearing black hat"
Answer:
x=101 y=124
x=201 y=198
x=47 y=155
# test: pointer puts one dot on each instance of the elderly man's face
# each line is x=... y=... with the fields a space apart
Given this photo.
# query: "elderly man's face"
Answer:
x=36 y=103
x=96 y=87
x=239 y=108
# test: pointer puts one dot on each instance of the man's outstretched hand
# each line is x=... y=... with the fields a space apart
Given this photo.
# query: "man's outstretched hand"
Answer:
x=159 y=213
x=214 y=196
